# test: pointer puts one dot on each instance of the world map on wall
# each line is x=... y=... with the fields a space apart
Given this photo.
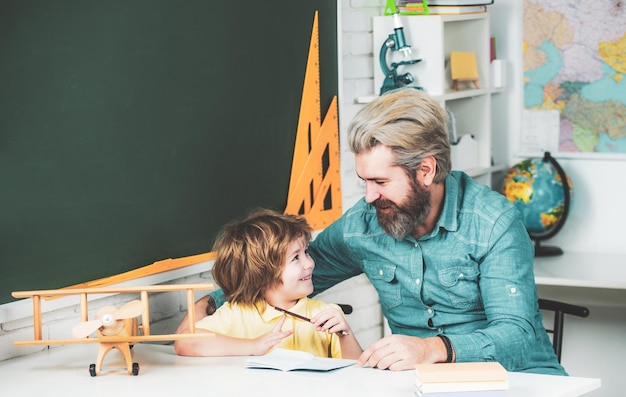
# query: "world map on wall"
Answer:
x=575 y=63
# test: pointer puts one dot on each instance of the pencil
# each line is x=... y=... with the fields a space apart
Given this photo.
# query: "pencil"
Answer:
x=287 y=312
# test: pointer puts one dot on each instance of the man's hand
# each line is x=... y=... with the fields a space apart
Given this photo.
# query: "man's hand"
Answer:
x=210 y=306
x=402 y=352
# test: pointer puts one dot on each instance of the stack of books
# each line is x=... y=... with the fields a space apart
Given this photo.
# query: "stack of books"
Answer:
x=458 y=2
x=447 y=7
x=488 y=379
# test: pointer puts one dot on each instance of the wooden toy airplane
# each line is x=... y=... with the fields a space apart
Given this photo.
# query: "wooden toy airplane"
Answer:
x=114 y=327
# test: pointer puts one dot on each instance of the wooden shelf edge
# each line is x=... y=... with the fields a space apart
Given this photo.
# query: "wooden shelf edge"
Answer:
x=479 y=171
x=449 y=95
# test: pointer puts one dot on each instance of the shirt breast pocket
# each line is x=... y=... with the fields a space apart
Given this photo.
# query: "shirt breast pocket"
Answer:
x=461 y=284
x=382 y=275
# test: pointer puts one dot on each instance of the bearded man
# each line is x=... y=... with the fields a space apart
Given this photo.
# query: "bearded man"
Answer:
x=450 y=259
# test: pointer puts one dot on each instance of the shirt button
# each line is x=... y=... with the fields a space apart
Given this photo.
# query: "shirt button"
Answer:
x=461 y=275
x=440 y=330
x=429 y=310
x=513 y=289
x=417 y=281
x=380 y=272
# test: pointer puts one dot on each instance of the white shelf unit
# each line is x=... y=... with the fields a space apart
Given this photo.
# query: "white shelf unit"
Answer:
x=432 y=38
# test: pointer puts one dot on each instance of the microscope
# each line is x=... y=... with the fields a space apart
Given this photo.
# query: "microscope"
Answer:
x=396 y=42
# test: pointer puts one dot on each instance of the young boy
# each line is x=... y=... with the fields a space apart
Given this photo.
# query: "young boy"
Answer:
x=262 y=264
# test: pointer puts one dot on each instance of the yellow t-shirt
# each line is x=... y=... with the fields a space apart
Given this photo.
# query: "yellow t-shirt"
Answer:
x=249 y=322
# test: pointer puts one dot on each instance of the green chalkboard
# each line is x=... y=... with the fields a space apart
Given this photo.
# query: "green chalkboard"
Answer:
x=132 y=130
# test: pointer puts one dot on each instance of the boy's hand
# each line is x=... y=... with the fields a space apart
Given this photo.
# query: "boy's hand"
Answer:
x=265 y=343
x=331 y=321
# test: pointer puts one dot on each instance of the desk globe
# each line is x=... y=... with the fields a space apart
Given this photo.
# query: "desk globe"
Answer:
x=542 y=191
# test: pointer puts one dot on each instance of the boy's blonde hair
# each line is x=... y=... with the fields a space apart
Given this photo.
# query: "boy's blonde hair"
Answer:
x=252 y=252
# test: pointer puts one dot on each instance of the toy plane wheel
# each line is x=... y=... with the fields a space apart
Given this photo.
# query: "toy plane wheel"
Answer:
x=135 y=369
x=92 y=370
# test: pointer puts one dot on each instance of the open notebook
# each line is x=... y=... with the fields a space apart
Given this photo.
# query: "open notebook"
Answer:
x=293 y=360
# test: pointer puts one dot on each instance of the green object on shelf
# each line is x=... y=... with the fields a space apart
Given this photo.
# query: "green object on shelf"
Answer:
x=390 y=9
x=418 y=8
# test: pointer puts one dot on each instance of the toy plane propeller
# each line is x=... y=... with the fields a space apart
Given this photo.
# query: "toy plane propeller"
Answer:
x=108 y=320
x=115 y=327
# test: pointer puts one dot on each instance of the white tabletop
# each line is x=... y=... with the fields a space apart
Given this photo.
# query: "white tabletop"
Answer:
x=63 y=371
x=574 y=269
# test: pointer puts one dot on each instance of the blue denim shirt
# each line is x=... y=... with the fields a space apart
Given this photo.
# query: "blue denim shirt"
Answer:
x=471 y=278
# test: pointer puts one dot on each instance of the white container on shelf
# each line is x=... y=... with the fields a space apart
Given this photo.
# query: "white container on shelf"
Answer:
x=465 y=153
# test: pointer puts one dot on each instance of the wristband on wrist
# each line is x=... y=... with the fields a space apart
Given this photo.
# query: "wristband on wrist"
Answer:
x=211 y=307
x=448 y=345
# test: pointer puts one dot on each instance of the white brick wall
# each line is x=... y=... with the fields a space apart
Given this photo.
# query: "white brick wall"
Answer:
x=356 y=74
x=357 y=79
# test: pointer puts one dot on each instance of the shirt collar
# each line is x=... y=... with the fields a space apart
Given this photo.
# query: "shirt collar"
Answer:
x=448 y=219
x=270 y=313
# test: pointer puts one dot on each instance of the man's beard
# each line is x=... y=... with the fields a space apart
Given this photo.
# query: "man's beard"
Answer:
x=405 y=218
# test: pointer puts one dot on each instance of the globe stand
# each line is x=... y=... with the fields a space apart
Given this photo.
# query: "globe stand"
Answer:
x=545 y=250
x=540 y=250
